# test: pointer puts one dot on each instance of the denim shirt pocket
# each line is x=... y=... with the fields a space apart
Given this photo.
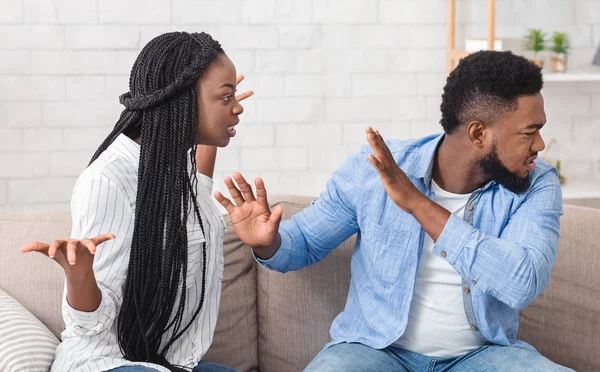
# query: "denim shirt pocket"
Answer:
x=384 y=250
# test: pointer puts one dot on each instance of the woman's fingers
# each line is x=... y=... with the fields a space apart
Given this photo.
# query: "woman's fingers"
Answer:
x=72 y=252
x=102 y=238
x=34 y=246
x=89 y=244
x=54 y=246
x=70 y=247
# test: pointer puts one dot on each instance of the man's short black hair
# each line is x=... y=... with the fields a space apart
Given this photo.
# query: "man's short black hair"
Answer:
x=485 y=86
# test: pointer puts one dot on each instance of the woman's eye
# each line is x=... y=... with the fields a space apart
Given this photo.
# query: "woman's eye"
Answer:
x=227 y=98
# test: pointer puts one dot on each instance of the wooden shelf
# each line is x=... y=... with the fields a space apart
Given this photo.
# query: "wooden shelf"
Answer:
x=570 y=77
x=455 y=55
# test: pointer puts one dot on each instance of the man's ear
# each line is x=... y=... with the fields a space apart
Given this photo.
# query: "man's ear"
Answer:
x=478 y=133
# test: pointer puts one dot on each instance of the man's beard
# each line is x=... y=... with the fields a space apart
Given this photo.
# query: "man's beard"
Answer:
x=493 y=168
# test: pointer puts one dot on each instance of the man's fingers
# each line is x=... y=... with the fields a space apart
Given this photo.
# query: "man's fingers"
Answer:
x=275 y=216
x=243 y=96
x=72 y=252
x=378 y=145
x=244 y=186
x=375 y=145
x=379 y=167
x=375 y=162
x=239 y=79
x=102 y=238
x=34 y=246
x=384 y=147
x=234 y=192
x=226 y=203
x=261 y=192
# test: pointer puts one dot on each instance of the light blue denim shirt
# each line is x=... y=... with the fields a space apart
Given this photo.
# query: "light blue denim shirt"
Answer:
x=504 y=248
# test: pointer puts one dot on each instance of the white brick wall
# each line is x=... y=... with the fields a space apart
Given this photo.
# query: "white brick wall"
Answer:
x=322 y=71
x=282 y=12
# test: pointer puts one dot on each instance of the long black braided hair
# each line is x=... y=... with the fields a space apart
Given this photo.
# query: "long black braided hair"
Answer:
x=161 y=107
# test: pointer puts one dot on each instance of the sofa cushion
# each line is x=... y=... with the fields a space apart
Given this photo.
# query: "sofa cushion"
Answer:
x=235 y=342
x=295 y=310
x=33 y=279
x=25 y=343
x=562 y=323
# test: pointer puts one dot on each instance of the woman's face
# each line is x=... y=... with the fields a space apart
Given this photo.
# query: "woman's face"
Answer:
x=218 y=109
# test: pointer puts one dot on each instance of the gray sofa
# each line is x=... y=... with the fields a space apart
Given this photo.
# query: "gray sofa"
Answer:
x=277 y=323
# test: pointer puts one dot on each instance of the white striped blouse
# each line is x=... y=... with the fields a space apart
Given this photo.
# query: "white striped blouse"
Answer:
x=103 y=201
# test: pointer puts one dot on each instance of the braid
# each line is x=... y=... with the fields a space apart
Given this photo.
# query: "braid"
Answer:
x=129 y=120
x=161 y=107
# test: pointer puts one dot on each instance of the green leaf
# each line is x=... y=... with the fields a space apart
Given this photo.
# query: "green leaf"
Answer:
x=560 y=42
x=535 y=40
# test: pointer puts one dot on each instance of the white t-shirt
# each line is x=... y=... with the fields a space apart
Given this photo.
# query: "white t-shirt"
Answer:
x=437 y=323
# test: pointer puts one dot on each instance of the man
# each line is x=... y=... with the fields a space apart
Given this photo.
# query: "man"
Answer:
x=456 y=232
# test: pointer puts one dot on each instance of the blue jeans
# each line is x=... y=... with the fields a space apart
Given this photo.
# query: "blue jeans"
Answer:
x=360 y=358
x=201 y=367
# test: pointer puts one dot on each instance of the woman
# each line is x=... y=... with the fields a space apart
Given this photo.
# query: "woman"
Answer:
x=148 y=298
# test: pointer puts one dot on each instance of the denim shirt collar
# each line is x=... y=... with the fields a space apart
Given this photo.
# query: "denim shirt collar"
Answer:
x=424 y=157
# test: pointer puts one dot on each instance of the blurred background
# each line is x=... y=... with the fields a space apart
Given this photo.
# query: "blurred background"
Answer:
x=322 y=70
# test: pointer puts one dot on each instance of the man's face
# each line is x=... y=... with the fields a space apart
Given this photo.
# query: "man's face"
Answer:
x=515 y=143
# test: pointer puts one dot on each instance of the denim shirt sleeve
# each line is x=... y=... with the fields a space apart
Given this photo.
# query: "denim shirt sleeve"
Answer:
x=514 y=268
x=312 y=234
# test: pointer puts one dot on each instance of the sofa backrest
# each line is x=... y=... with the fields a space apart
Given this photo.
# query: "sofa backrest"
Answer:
x=235 y=343
x=295 y=310
x=37 y=282
x=33 y=279
x=287 y=317
x=563 y=323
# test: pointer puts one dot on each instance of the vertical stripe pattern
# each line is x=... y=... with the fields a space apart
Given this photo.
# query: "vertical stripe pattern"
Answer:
x=103 y=201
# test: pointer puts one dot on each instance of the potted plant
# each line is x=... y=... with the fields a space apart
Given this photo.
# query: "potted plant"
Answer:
x=535 y=41
x=561 y=177
x=560 y=48
x=557 y=164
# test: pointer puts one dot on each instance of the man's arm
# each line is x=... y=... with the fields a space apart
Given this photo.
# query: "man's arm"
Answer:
x=312 y=234
x=432 y=217
x=309 y=235
x=515 y=267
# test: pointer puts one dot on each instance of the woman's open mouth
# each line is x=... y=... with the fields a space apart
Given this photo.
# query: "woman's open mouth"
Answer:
x=231 y=130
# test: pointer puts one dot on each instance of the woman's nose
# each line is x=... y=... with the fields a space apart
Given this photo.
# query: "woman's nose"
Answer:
x=238 y=109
